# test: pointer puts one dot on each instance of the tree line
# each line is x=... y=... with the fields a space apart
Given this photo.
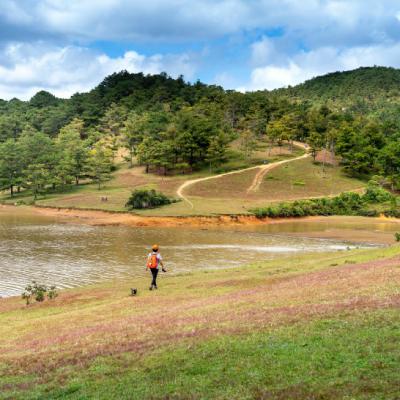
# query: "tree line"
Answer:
x=35 y=161
x=172 y=126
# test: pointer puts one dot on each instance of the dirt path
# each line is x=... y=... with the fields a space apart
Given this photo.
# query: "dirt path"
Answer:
x=191 y=182
x=257 y=179
x=255 y=185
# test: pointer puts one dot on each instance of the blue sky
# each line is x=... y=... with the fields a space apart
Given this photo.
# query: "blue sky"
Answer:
x=68 y=46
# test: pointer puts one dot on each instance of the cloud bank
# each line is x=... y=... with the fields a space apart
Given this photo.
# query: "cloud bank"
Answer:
x=66 y=46
x=67 y=70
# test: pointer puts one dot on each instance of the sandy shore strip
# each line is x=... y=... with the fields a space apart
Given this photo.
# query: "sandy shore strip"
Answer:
x=106 y=218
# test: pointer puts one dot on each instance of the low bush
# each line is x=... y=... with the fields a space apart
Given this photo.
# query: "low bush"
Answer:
x=348 y=203
x=376 y=194
x=38 y=292
x=393 y=213
x=145 y=198
x=397 y=236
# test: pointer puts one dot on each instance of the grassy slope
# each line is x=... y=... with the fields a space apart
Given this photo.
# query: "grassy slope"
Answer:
x=324 y=326
x=303 y=179
x=210 y=197
x=299 y=179
x=125 y=180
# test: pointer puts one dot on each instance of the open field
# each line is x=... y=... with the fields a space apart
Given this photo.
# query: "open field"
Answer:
x=324 y=326
x=124 y=180
x=295 y=180
x=302 y=179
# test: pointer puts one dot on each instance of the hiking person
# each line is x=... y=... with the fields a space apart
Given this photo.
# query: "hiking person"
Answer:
x=154 y=260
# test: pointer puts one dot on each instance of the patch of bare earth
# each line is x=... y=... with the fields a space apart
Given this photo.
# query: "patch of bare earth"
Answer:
x=136 y=177
x=131 y=324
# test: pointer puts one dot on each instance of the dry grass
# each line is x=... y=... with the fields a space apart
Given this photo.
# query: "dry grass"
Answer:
x=297 y=180
x=125 y=179
x=302 y=179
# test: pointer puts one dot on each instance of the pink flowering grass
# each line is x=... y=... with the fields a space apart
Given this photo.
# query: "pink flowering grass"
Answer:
x=101 y=321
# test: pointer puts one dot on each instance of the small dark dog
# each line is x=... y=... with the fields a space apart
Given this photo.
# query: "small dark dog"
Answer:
x=133 y=292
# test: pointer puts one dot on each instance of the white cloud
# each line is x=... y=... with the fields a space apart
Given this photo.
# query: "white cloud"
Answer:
x=307 y=64
x=263 y=51
x=315 y=21
x=271 y=77
x=310 y=37
x=67 y=70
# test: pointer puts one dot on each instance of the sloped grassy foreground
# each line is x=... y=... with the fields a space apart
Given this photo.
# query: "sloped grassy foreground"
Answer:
x=323 y=326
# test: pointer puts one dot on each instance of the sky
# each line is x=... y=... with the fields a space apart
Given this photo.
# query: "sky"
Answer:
x=69 y=46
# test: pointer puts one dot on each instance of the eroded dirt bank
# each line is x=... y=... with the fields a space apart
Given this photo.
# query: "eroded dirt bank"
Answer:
x=356 y=229
x=101 y=218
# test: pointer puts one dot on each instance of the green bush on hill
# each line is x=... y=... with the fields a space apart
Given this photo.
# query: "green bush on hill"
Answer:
x=348 y=203
x=144 y=198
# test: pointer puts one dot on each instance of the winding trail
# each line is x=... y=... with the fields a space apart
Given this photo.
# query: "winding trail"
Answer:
x=255 y=185
x=264 y=168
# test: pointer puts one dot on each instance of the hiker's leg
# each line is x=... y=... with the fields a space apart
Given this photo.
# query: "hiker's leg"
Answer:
x=152 y=278
x=154 y=271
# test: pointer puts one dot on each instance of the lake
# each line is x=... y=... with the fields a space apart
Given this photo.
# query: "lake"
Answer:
x=35 y=247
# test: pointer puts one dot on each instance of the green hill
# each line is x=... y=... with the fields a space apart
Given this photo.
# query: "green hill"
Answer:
x=370 y=84
x=174 y=127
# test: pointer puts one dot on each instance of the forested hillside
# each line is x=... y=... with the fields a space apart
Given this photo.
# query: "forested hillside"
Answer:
x=172 y=126
x=362 y=84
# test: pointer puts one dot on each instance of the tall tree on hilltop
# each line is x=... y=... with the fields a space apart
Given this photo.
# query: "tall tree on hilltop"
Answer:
x=72 y=152
x=216 y=152
x=39 y=160
x=100 y=163
x=248 y=142
x=389 y=162
x=10 y=165
x=134 y=131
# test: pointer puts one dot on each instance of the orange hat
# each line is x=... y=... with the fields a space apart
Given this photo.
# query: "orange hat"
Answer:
x=155 y=247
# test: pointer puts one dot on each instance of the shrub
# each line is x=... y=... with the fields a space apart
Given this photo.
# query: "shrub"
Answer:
x=397 y=236
x=52 y=293
x=392 y=213
x=38 y=292
x=347 y=203
x=376 y=194
x=368 y=213
x=144 y=198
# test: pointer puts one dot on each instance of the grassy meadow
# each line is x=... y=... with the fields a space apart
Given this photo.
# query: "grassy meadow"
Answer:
x=320 y=326
x=300 y=179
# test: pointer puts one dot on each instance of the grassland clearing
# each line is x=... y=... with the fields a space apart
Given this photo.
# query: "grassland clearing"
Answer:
x=124 y=180
x=298 y=179
x=303 y=178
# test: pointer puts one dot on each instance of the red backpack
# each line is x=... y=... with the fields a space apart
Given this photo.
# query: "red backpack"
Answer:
x=152 y=261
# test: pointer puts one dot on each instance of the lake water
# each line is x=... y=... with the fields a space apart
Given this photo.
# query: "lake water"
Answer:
x=38 y=248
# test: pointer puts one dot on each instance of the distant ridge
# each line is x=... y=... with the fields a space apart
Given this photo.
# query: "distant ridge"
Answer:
x=367 y=83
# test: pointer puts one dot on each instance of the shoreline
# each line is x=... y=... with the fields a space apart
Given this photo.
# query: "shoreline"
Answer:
x=362 y=230
x=119 y=218
x=95 y=217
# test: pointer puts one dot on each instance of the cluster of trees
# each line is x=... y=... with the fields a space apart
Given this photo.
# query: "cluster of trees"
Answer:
x=180 y=141
x=365 y=145
x=170 y=125
x=36 y=161
x=363 y=88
